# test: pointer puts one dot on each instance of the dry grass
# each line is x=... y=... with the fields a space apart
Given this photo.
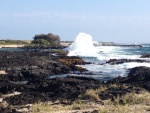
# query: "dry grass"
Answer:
x=133 y=98
x=92 y=94
x=80 y=107
x=128 y=103
x=57 y=108
x=124 y=109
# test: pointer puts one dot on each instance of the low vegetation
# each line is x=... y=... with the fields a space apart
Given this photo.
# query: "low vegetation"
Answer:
x=70 y=61
x=39 y=39
x=8 y=42
x=91 y=102
x=46 y=39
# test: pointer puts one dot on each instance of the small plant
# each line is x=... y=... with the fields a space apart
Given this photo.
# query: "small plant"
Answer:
x=100 y=89
x=90 y=95
x=133 y=98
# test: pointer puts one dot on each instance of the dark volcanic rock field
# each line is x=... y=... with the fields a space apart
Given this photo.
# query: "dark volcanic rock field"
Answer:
x=28 y=72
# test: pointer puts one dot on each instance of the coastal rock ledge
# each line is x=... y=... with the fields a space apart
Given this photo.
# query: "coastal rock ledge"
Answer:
x=29 y=73
x=138 y=76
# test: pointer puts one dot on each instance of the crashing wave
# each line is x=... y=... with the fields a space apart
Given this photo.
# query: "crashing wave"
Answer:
x=83 y=46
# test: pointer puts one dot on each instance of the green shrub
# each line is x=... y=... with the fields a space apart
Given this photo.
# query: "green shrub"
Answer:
x=49 y=39
x=41 y=42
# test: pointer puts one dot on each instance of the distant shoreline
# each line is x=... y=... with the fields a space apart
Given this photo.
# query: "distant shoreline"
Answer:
x=68 y=43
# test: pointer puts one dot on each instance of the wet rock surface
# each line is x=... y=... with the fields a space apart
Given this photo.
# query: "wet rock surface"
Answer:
x=145 y=55
x=121 y=61
x=138 y=76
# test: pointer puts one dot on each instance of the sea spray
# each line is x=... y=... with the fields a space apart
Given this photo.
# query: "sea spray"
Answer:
x=99 y=55
x=83 y=46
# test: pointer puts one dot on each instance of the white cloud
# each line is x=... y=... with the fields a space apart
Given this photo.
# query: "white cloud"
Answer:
x=74 y=18
x=70 y=15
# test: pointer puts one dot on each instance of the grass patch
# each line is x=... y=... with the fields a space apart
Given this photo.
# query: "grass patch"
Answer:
x=80 y=107
x=133 y=98
x=92 y=94
x=127 y=103
x=10 y=42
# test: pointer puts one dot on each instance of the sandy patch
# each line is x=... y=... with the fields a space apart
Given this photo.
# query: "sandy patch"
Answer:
x=66 y=44
x=11 y=46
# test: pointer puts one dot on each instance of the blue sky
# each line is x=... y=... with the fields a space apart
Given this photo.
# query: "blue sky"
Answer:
x=121 y=21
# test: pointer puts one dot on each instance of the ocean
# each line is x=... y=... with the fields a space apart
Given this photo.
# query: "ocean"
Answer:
x=99 y=55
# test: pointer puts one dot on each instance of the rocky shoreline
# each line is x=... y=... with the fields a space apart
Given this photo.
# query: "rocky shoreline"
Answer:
x=28 y=72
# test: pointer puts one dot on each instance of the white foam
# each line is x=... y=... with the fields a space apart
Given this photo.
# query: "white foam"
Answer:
x=135 y=64
x=115 y=52
x=83 y=46
x=146 y=45
x=115 y=56
x=107 y=70
x=114 y=70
